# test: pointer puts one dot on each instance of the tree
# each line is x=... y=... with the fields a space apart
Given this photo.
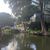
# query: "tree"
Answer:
x=28 y=12
x=42 y=8
x=18 y=5
x=21 y=7
x=43 y=11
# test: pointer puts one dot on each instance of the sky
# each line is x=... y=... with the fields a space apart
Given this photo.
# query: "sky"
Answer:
x=4 y=7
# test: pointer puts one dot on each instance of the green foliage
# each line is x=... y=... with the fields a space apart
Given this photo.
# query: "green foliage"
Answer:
x=6 y=31
x=16 y=5
x=23 y=8
x=28 y=11
x=8 y=34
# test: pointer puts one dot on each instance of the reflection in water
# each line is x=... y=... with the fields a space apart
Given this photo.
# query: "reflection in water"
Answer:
x=11 y=46
x=33 y=46
x=14 y=46
x=5 y=48
x=33 y=43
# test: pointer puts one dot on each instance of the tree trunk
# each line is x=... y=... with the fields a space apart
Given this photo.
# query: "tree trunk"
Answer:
x=44 y=31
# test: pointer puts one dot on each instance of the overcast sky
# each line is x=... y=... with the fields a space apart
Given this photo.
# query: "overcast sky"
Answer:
x=4 y=7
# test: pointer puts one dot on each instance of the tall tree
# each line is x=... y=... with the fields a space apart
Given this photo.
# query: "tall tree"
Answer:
x=18 y=7
x=22 y=8
x=44 y=31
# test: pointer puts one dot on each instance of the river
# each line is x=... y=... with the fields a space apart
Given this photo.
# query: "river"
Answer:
x=36 y=43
